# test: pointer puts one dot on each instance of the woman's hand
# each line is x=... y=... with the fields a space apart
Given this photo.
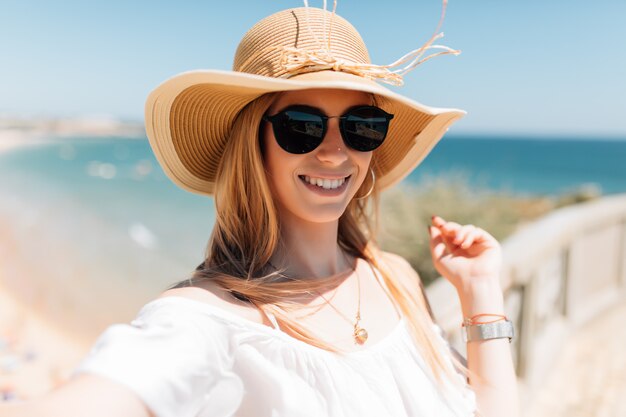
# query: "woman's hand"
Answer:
x=465 y=255
x=470 y=259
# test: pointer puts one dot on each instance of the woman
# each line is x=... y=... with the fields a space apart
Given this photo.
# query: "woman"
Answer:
x=295 y=311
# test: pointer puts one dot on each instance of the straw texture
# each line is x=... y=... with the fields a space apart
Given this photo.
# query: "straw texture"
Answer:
x=189 y=116
x=261 y=49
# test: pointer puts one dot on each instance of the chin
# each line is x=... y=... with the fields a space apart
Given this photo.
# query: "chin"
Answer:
x=320 y=214
x=326 y=217
x=299 y=203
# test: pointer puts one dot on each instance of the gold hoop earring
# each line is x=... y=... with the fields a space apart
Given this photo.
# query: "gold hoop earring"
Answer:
x=371 y=188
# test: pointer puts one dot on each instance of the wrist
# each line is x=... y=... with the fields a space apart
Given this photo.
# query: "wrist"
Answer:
x=482 y=297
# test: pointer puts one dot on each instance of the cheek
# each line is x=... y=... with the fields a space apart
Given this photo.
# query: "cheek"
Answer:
x=363 y=160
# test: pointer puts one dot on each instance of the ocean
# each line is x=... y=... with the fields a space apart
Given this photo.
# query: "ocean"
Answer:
x=98 y=216
x=530 y=166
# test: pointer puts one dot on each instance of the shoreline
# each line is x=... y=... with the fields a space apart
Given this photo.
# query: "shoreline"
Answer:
x=10 y=139
x=47 y=325
x=35 y=355
x=46 y=329
x=32 y=134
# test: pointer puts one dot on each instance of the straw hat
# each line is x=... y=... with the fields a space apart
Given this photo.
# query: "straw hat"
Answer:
x=188 y=117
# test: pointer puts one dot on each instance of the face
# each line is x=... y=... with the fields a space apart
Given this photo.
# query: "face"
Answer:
x=343 y=169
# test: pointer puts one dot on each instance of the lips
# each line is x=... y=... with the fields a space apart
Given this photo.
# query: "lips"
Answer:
x=326 y=183
x=326 y=186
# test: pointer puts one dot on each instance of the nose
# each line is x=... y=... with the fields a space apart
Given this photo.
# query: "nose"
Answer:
x=332 y=149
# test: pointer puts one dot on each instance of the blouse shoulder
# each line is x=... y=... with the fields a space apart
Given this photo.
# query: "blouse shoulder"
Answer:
x=403 y=272
x=171 y=356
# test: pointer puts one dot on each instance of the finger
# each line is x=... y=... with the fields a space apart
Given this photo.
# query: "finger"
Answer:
x=462 y=234
x=470 y=238
x=451 y=229
x=437 y=245
x=447 y=227
x=439 y=221
x=485 y=237
x=449 y=233
x=448 y=230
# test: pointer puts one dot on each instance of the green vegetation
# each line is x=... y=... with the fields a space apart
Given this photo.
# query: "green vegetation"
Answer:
x=406 y=211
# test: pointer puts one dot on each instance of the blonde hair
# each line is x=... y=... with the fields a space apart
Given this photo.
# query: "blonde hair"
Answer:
x=246 y=234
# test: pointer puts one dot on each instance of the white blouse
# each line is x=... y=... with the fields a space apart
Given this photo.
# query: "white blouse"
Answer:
x=187 y=358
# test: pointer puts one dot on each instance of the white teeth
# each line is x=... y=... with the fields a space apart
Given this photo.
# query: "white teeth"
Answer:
x=325 y=183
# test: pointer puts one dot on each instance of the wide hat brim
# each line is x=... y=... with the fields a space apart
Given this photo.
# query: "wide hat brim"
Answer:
x=189 y=116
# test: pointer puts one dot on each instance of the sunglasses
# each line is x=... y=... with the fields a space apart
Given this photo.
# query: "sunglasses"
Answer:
x=300 y=129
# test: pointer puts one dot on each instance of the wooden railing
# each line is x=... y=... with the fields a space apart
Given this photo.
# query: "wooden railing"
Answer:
x=559 y=272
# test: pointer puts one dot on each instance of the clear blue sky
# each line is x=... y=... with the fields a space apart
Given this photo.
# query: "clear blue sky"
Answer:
x=528 y=67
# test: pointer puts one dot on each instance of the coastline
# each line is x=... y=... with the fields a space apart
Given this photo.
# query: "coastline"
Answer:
x=12 y=139
x=48 y=325
x=18 y=132
x=36 y=354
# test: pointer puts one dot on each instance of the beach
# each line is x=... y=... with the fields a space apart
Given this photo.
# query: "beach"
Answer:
x=91 y=229
x=15 y=139
x=35 y=355
x=42 y=338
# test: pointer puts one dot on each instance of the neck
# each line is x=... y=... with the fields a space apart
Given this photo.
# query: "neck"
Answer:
x=310 y=249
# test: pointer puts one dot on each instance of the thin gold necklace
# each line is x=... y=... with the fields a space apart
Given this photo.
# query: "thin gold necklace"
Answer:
x=360 y=334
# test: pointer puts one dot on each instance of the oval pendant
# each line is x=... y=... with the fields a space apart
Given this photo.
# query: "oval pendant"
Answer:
x=360 y=335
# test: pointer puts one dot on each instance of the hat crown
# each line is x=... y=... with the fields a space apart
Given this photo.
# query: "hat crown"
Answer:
x=306 y=29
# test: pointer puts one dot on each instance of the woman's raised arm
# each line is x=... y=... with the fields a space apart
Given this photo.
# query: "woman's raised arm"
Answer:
x=470 y=259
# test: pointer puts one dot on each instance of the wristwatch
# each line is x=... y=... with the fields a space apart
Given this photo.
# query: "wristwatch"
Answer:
x=496 y=330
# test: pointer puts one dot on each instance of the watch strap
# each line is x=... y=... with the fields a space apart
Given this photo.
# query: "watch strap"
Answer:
x=496 y=330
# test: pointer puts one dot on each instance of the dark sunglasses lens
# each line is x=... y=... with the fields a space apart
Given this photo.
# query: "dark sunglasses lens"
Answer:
x=298 y=131
x=365 y=128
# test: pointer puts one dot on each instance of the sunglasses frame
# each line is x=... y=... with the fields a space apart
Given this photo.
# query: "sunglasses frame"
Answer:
x=275 y=119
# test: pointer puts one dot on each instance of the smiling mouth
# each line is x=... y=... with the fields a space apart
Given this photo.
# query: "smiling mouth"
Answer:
x=325 y=183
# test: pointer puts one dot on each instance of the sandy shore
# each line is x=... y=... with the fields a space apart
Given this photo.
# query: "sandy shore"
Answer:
x=35 y=356
x=11 y=139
